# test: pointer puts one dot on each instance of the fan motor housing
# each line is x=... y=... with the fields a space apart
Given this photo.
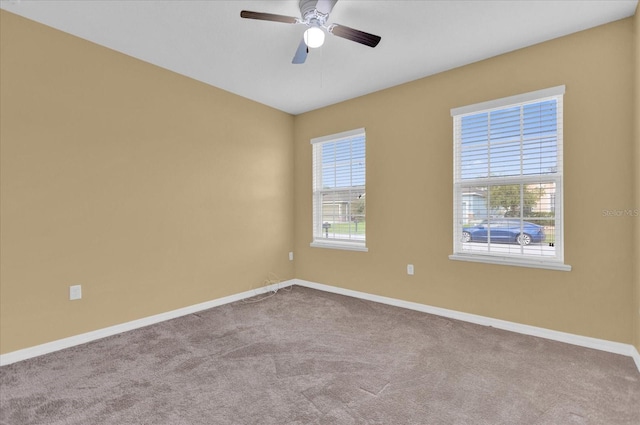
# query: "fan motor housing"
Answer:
x=310 y=14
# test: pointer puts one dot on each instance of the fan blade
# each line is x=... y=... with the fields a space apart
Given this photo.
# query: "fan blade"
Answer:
x=358 y=36
x=325 y=6
x=268 y=17
x=301 y=53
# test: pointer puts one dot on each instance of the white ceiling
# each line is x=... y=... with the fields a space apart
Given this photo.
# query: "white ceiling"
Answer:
x=208 y=41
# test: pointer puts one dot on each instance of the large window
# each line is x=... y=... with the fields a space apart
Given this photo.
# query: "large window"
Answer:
x=339 y=198
x=508 y=181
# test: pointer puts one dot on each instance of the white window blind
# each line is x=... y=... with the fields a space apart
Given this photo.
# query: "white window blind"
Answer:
x=339 y=196
x=508 y=180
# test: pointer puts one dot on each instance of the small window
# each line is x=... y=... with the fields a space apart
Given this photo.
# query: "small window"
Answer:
x=339 y=196
x=508 y=181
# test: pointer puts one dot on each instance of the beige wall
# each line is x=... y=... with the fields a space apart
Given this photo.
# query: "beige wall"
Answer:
x=156 y=192
x=636 y=120
x=409 y=189
x=151 y=190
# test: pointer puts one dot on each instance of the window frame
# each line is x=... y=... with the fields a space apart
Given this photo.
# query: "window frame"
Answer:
x=557 y=261
x=318 y=238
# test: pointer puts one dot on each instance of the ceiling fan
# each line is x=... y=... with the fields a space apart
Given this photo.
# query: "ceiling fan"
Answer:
x=315 y=14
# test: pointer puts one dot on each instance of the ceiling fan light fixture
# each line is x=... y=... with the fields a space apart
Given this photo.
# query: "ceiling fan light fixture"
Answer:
x=314 y=37
x=315 y=15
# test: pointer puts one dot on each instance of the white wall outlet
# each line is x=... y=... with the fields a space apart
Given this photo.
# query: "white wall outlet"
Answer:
x=75 y=292
x=410 y=269
x=291 y=256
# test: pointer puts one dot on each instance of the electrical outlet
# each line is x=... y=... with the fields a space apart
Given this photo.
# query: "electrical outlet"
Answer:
x=75 y=292
x=410 y=269
x=291 y=256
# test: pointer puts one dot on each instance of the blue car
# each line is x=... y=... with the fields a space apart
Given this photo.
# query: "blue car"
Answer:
x=504 y=230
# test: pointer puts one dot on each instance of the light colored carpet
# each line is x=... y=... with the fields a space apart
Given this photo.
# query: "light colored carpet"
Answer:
x=309 y=357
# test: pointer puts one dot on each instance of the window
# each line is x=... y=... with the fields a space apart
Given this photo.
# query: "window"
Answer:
x=508 y=181
x=339 y=174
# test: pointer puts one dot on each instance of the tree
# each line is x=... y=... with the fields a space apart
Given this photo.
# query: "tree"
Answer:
x=358 y=208
x=509 y=198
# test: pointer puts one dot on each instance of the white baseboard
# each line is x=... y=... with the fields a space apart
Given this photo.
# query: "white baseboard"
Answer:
x=583 y=341
x=50 y=347
x=636 y=356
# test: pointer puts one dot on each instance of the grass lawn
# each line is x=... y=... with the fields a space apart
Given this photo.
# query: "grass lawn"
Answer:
x=550 y=234
x=348 y=228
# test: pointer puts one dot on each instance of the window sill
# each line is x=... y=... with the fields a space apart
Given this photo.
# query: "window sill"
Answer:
x=348 y=246
x=518 y=262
